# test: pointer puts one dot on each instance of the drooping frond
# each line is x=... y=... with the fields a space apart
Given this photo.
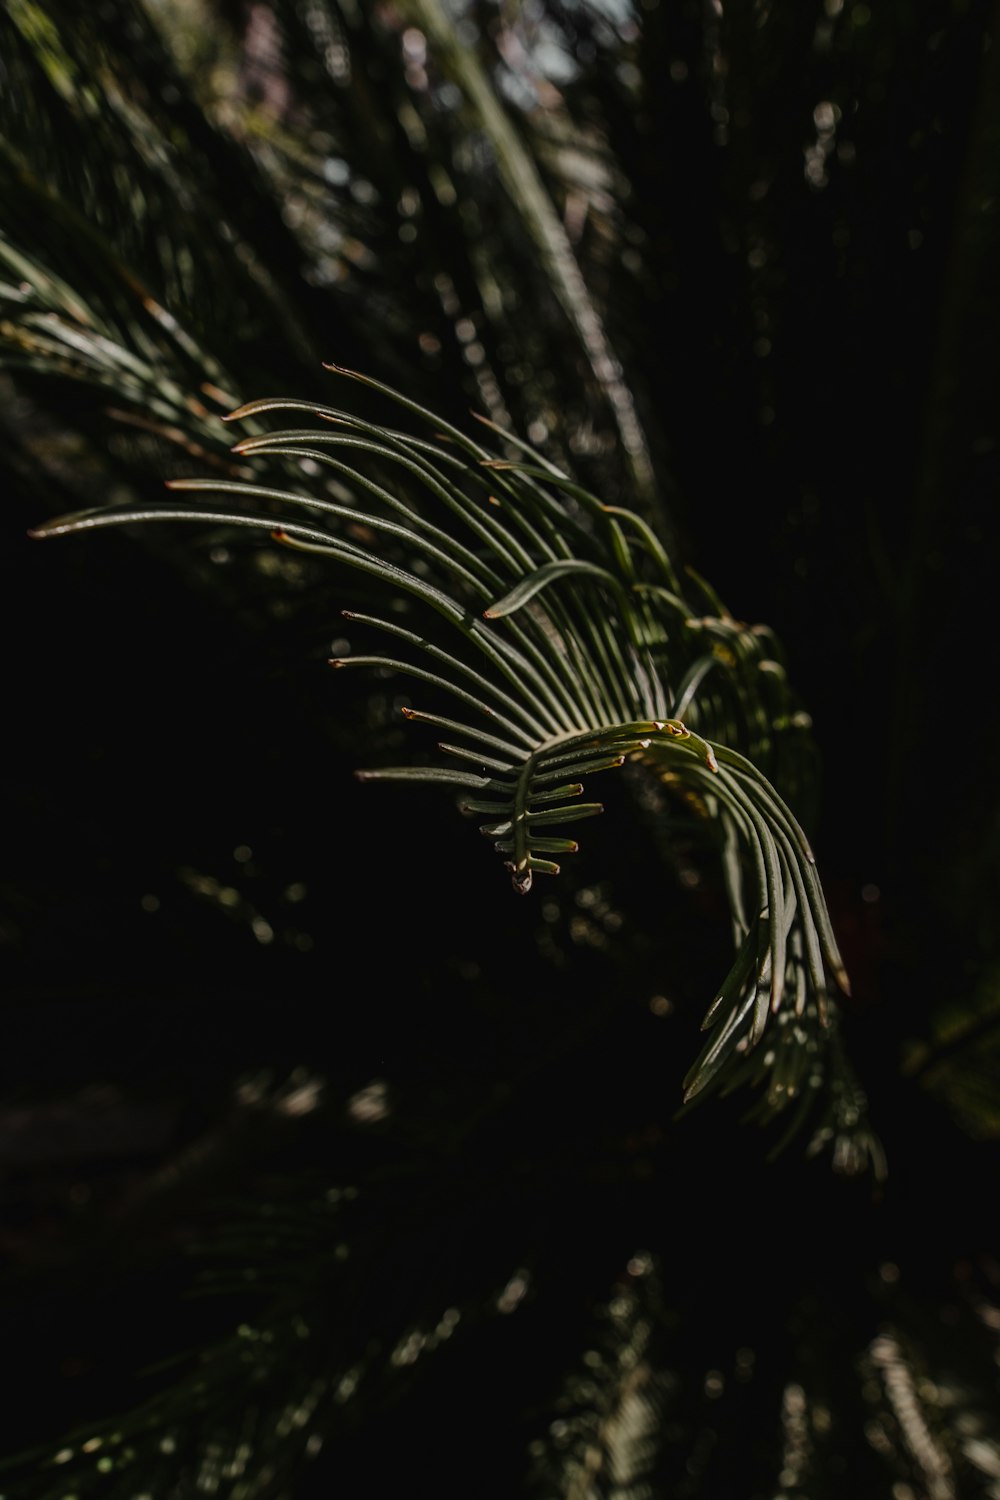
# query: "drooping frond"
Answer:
x=559 y=637
x=246 y=175
x=115 y=339
x=96 y=116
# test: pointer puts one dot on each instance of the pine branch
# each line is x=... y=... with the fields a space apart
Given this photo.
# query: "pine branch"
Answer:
x=569 y=619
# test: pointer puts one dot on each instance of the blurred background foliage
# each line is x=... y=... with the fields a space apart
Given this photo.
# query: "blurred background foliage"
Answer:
x=734 y=265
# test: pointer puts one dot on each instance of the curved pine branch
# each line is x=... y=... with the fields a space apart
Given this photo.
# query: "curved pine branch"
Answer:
x=564 y=641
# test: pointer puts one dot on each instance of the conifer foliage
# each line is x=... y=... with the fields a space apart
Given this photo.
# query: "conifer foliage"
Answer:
x=423 y=1161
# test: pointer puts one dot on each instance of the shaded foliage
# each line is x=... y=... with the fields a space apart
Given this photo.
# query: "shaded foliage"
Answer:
x=421 y=1146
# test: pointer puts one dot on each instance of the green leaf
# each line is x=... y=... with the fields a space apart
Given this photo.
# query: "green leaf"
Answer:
x=540 y=579
x=567 y=689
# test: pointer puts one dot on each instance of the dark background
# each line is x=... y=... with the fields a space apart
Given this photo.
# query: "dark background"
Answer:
x=836 y=480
